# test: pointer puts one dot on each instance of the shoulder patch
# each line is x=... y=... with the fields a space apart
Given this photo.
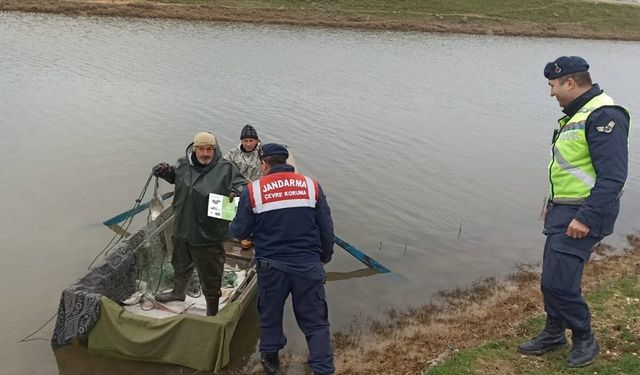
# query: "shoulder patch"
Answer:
x=607 y=128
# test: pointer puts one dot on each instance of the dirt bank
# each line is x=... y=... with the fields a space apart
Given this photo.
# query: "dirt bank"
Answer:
x=601 y=20
x=410 y=341
x=489 y=310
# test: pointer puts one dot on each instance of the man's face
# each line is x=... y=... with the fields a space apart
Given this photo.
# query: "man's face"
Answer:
x=564 y=92
x=204 y=154
x=249 y=144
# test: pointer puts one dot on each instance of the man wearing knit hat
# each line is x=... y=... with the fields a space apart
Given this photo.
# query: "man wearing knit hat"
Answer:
x=587 y=172
x=198 y=237
x=289 y=217
x=247 y=155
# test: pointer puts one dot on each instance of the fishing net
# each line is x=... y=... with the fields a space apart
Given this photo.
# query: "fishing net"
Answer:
x=155 y=272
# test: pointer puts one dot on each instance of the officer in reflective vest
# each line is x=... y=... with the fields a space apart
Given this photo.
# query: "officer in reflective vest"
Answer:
x=288 y=216
x=587 y=173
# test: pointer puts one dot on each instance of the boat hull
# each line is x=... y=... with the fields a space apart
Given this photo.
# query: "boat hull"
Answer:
x=91 y=311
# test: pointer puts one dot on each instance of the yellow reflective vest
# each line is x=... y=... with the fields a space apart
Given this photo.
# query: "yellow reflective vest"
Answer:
x=571 y=171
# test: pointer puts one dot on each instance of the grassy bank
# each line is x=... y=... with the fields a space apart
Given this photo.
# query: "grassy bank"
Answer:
x=598 y=20
x=616 y=310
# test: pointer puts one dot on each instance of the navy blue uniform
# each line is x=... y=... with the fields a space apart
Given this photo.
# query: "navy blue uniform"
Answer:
x=292 y=241
x=564 y=257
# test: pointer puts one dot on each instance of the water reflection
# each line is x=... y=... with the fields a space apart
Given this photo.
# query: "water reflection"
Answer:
x=363 y=272
x=77 y=360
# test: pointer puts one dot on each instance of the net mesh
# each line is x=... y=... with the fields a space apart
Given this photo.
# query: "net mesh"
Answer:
x=155 y=272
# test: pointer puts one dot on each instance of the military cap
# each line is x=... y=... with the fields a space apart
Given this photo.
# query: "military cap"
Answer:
x=564 y=65
x=274 y=149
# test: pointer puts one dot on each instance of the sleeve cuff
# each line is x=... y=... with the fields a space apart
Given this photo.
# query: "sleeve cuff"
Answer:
x=584 y=218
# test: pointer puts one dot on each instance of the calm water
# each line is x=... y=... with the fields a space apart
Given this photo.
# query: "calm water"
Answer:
x=409 y=134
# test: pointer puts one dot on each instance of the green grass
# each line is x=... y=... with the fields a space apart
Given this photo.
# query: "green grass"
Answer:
x=616 y=315
x=500 y=357
x=548 y=18
x=599 y=17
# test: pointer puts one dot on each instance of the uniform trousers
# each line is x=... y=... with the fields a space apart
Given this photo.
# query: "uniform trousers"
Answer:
x=310 y=309
x=562 y=267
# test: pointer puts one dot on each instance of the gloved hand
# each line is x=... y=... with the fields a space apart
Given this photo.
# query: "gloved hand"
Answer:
x=160 y=169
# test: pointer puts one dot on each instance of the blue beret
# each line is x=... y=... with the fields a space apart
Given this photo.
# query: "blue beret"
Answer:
x=273 y=149
x=564 y=65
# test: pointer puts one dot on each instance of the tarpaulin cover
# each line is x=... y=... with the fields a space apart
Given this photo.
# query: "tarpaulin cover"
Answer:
x=189 y=340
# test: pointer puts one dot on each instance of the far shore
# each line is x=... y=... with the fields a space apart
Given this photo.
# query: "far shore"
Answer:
x=552 y=18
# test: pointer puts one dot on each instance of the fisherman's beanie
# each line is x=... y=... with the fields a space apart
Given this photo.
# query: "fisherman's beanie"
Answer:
x=204 y=139
x=248 y=132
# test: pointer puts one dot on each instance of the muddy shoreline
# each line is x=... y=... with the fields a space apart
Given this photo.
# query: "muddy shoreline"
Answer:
x=330 y=18
x=412 y=340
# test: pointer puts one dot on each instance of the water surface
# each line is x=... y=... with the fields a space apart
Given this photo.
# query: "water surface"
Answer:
x=411 y=135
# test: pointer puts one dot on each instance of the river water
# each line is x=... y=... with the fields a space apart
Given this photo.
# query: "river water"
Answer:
x=412 y=136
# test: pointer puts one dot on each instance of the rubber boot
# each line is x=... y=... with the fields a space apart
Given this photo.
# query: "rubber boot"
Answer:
x=179 y=293
x=271 y=363
x=552 y=337
x=585 y=349
x=212 y=305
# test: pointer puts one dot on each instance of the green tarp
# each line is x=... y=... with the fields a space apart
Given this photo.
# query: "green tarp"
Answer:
x=199 y=342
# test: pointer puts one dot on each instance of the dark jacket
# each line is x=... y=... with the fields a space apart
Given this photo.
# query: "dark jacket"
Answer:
x=295 y=240
x=609 y=155
x=193 y=183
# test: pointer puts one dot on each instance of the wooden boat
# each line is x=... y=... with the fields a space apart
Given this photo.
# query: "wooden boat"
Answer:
x=112 y=311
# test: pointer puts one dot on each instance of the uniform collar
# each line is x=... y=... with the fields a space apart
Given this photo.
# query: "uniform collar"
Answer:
x=281 y=168
x=579 y=102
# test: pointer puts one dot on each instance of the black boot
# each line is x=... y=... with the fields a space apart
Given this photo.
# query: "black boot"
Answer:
x=212 y=305
x=271 y=363
x=585 y=349
x=179 y=293
x=552 y=337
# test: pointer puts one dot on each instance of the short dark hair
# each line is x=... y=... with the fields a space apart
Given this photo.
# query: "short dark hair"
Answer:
x=581 y=78
x=275 y=159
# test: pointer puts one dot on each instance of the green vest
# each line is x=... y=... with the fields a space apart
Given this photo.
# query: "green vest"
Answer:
x=571 y=172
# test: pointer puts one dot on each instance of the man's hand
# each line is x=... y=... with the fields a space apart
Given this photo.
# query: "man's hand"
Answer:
x=577 y=230
x=232 y=195
x=160 y=169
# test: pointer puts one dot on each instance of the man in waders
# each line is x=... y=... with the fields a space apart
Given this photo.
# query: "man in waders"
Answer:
x=197 y=237
x=247 y=157
x=587 y=172
x=288 y=215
